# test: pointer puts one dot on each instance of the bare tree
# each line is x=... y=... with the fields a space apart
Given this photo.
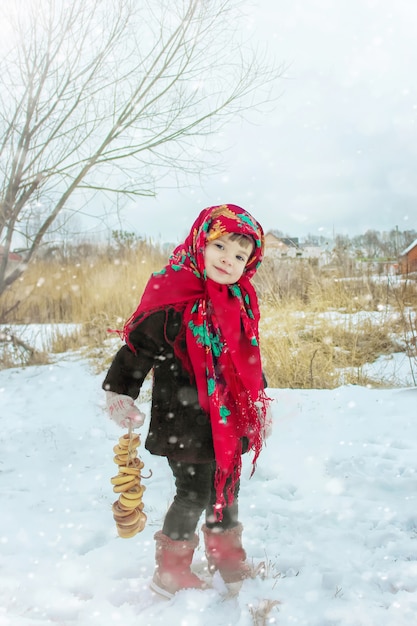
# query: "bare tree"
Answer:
x=101 y=96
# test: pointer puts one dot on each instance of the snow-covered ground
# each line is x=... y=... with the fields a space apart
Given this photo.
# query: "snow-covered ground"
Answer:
x=331 y=511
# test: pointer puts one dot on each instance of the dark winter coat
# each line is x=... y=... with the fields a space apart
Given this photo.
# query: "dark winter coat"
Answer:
x=179 y=427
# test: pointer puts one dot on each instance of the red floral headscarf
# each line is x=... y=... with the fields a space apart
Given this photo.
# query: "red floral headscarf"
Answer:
x=220 y=324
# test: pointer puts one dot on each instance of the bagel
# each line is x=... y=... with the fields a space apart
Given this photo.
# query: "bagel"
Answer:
x=135 y=492
x=128 y=509
x=141 y=518
x=121 y=479
x=129 y=441
x=130 y=520
x=128 y=503
x=131 y=530
x=137 y=463
x=126 y=486
x=122 y=459
x=132 y=463
x=126 y=533
x=124 y=451
x=128 y=470
x=119 y=511
x=141 y=523
x=124 y=508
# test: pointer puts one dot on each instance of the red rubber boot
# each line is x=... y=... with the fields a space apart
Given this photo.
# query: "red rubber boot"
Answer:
x=224 y=552
x=173 y=560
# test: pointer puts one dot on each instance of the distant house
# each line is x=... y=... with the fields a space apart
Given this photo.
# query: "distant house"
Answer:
x=281 y=246
x=277 y=247
x=13 y=260
x=320 y=254
x=408 y=259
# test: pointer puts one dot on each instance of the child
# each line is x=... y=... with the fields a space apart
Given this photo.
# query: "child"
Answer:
x=197 y=327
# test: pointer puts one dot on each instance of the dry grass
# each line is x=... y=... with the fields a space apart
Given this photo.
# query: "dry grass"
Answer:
x=108 y=284
x=301 y=285
x=304 y=348
x=261 y=614
x=312 y=351
x=310 y=334
x=14 y=351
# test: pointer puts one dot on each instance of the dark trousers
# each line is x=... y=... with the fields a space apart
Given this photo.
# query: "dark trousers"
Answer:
x=195 y=493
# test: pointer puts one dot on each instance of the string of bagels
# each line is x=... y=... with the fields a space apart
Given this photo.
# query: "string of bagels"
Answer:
x=128 y=508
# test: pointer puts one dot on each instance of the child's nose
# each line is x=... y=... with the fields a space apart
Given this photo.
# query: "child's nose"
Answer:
x=226 y=259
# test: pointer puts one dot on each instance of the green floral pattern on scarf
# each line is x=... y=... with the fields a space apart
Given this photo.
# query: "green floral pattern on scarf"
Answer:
x=220 y=350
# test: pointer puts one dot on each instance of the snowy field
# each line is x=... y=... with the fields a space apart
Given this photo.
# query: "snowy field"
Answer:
x=331 y=511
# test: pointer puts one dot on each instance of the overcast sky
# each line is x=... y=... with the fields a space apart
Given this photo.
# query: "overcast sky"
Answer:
x=338 y=152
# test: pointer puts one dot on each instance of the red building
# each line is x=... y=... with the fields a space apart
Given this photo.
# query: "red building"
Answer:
x=13 y=260
x=408 y=259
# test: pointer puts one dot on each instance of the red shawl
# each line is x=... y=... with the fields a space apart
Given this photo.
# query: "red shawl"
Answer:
x=220 y=323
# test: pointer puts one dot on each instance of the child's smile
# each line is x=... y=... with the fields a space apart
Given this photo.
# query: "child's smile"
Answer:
x=225 y=260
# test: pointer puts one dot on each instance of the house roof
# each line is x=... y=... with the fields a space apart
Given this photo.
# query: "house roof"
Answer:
x=409 y=248
x=13 y=256
x=291 y=242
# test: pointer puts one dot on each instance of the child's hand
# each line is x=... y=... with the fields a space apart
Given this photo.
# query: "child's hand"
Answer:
x=122 y=410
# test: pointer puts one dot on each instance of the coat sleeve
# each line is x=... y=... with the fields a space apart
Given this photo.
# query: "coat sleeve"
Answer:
x=129 y=369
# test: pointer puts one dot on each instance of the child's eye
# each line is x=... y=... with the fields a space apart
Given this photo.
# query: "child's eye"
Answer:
x=219 y=245
x=240 y=258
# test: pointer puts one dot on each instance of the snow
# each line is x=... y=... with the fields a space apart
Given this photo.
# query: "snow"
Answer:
x=331 y=511
x=40 y=336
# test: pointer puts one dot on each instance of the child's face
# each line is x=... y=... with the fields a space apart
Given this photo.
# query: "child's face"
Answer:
x=225 y=259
